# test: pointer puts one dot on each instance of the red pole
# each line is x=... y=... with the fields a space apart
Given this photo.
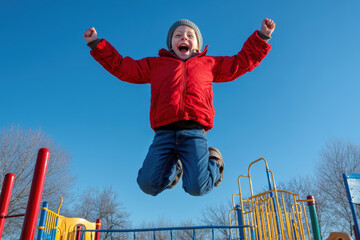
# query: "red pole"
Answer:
x=78 y=233
x=354 y=228
x=98 y=227
x=32 y=210
x=5 y=198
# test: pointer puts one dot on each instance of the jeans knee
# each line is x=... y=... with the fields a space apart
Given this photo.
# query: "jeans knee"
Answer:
x=195 y=190
x=148 y=187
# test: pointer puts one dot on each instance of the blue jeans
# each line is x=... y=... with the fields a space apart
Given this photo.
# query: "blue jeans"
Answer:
x=191 y=147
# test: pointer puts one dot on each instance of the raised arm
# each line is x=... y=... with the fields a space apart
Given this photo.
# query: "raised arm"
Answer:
x=252 y=53
x=126 y=69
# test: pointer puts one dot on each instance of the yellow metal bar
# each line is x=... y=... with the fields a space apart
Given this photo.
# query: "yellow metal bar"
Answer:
x=61 y=201
x=273 y=222
x=279 y=211
x=249 y=175
x=287 y=218
x=230 y=222
x=275 y=214
x=298 y=218
x=305 y=216
x=241 y=199
x=233 y=199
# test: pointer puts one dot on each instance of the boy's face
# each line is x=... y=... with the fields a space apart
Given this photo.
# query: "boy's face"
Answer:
x=184 y=42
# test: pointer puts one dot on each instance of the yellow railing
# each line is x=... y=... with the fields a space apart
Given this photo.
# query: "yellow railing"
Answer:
x=274 y=214
x=57 y=227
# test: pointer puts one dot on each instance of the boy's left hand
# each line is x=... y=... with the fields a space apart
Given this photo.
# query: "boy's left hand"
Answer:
x=268 y=26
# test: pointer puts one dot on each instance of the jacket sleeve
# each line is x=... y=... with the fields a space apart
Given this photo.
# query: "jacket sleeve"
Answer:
x=124 y=68
x=252 y=53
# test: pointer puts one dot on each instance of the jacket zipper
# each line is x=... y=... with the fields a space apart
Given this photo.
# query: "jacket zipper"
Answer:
x=183 y=90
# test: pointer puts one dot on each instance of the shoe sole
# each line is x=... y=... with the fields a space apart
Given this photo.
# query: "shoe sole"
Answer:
x=177 y=178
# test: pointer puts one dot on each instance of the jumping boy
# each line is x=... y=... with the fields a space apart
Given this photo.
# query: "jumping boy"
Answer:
x=182 y=102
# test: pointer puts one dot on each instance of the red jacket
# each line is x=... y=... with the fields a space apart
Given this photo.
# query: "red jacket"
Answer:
x=182 y=90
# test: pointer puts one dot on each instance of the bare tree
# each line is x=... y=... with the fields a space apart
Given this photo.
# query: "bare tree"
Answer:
x=18 y=153
x=159 y=223
x=337 y=157
x=217 y=215
x=103 y=204
x=178 y=234
x=201 y=234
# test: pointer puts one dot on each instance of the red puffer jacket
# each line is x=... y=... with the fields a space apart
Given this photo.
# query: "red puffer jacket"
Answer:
x=182 y=90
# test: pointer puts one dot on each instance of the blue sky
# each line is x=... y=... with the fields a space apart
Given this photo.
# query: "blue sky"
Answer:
x=305 y=93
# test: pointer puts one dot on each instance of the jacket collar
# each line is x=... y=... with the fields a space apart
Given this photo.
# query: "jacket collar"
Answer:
x=166 y=53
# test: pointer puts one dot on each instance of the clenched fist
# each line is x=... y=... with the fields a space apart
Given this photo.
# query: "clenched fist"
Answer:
x=268 y=26
x=90 y=35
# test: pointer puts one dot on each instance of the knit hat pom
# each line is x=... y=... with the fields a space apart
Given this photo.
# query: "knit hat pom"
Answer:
x=184 y=22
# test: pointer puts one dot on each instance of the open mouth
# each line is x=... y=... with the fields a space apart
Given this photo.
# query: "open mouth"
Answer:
x=183 y=48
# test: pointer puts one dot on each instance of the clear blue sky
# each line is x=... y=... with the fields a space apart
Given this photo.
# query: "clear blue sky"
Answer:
x=303 y=94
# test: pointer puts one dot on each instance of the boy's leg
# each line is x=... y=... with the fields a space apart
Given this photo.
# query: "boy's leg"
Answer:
x=216 y=156
x=200 y=173
x=159 y=168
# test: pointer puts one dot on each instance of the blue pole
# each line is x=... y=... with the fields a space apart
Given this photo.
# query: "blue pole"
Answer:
x=240 y=221
x=274 y=202
x=252 y=234
x=42 y=220
x=166 y=229
x=213 y=234
x=269 y=180
x=294 y=229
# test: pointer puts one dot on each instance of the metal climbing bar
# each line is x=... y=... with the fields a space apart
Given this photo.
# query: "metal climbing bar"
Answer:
x=274 y=214
x=48 y=223
x=5 y=198
x=169 y=229
x=32 y=210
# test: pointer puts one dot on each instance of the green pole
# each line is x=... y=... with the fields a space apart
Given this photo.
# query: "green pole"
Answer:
x=313 y=218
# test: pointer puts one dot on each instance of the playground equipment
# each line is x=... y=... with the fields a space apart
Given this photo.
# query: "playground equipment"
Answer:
x=339 y=236
x=352 y=186
x=262 y=216
x=54 y=226
x=170 y=230
x=29 y=226
x=274 y=214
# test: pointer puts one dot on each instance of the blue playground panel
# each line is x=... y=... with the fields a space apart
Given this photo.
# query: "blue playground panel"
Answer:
x=352 y=185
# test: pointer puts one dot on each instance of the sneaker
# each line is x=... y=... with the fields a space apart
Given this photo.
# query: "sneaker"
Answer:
x=177 y=178
x=214 y=153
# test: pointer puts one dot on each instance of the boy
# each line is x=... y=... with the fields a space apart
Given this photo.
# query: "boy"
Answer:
x=181 y=102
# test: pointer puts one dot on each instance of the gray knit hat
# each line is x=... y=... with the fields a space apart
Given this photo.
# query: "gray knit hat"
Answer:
x=188 y=23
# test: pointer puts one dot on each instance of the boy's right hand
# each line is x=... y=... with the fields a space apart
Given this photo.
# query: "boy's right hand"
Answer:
x=90 y=35
x=268 y=26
